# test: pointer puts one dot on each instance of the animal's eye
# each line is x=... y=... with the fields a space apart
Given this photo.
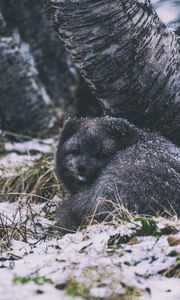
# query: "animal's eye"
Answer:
x=71 y=149
x=74 y=152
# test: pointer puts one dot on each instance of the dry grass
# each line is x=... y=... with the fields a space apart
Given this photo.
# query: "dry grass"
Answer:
x=110 y=212
x=37 y=182
x=115 y=212
x=21 y=226
x=25 y=186
x=174 y=269
x=26 y=223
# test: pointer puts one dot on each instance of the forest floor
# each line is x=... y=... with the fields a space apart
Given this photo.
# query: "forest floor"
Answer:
x=134 y=259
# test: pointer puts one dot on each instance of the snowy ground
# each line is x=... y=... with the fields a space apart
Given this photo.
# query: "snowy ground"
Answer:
x=122 y=261
x=100 y=262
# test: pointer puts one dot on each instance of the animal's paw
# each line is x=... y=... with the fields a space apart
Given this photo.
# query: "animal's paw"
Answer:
x=65 y=220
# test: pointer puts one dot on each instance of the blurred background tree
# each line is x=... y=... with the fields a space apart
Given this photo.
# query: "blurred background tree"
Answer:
x=38 y=80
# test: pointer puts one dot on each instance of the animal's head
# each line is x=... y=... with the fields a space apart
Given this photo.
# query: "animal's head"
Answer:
x=86 y=146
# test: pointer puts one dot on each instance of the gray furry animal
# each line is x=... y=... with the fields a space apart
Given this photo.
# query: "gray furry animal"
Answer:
x=87 y=145
x=108 y=158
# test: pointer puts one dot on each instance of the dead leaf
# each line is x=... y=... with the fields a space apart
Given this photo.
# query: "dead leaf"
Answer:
x=169 y=229
x=174 y=240
x=133 y=241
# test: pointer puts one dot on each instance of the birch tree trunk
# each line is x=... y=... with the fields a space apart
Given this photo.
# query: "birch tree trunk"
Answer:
x=127 y=55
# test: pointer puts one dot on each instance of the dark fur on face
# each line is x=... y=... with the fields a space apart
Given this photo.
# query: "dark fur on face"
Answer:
x=143 y=173
x=87 y=145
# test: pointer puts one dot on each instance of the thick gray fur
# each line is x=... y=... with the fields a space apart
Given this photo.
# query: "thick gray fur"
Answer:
x=141 y=170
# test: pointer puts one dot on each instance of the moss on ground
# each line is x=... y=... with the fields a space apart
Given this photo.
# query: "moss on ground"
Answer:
x=39 y=280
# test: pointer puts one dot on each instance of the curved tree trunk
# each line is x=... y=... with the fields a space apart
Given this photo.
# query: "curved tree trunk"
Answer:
x=127 y=55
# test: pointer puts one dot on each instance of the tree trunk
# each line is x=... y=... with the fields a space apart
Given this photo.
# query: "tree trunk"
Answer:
x=24 y=104
x=127 y=55
x=51 y=58
x=28 y=39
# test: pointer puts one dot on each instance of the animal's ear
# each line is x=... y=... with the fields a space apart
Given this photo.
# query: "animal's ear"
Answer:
x=71 y=125
x=122 y=131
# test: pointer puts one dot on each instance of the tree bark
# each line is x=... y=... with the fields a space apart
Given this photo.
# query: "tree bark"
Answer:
x=127 y=55
x=28 y=39
x=50 y=56
x=24 y=104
